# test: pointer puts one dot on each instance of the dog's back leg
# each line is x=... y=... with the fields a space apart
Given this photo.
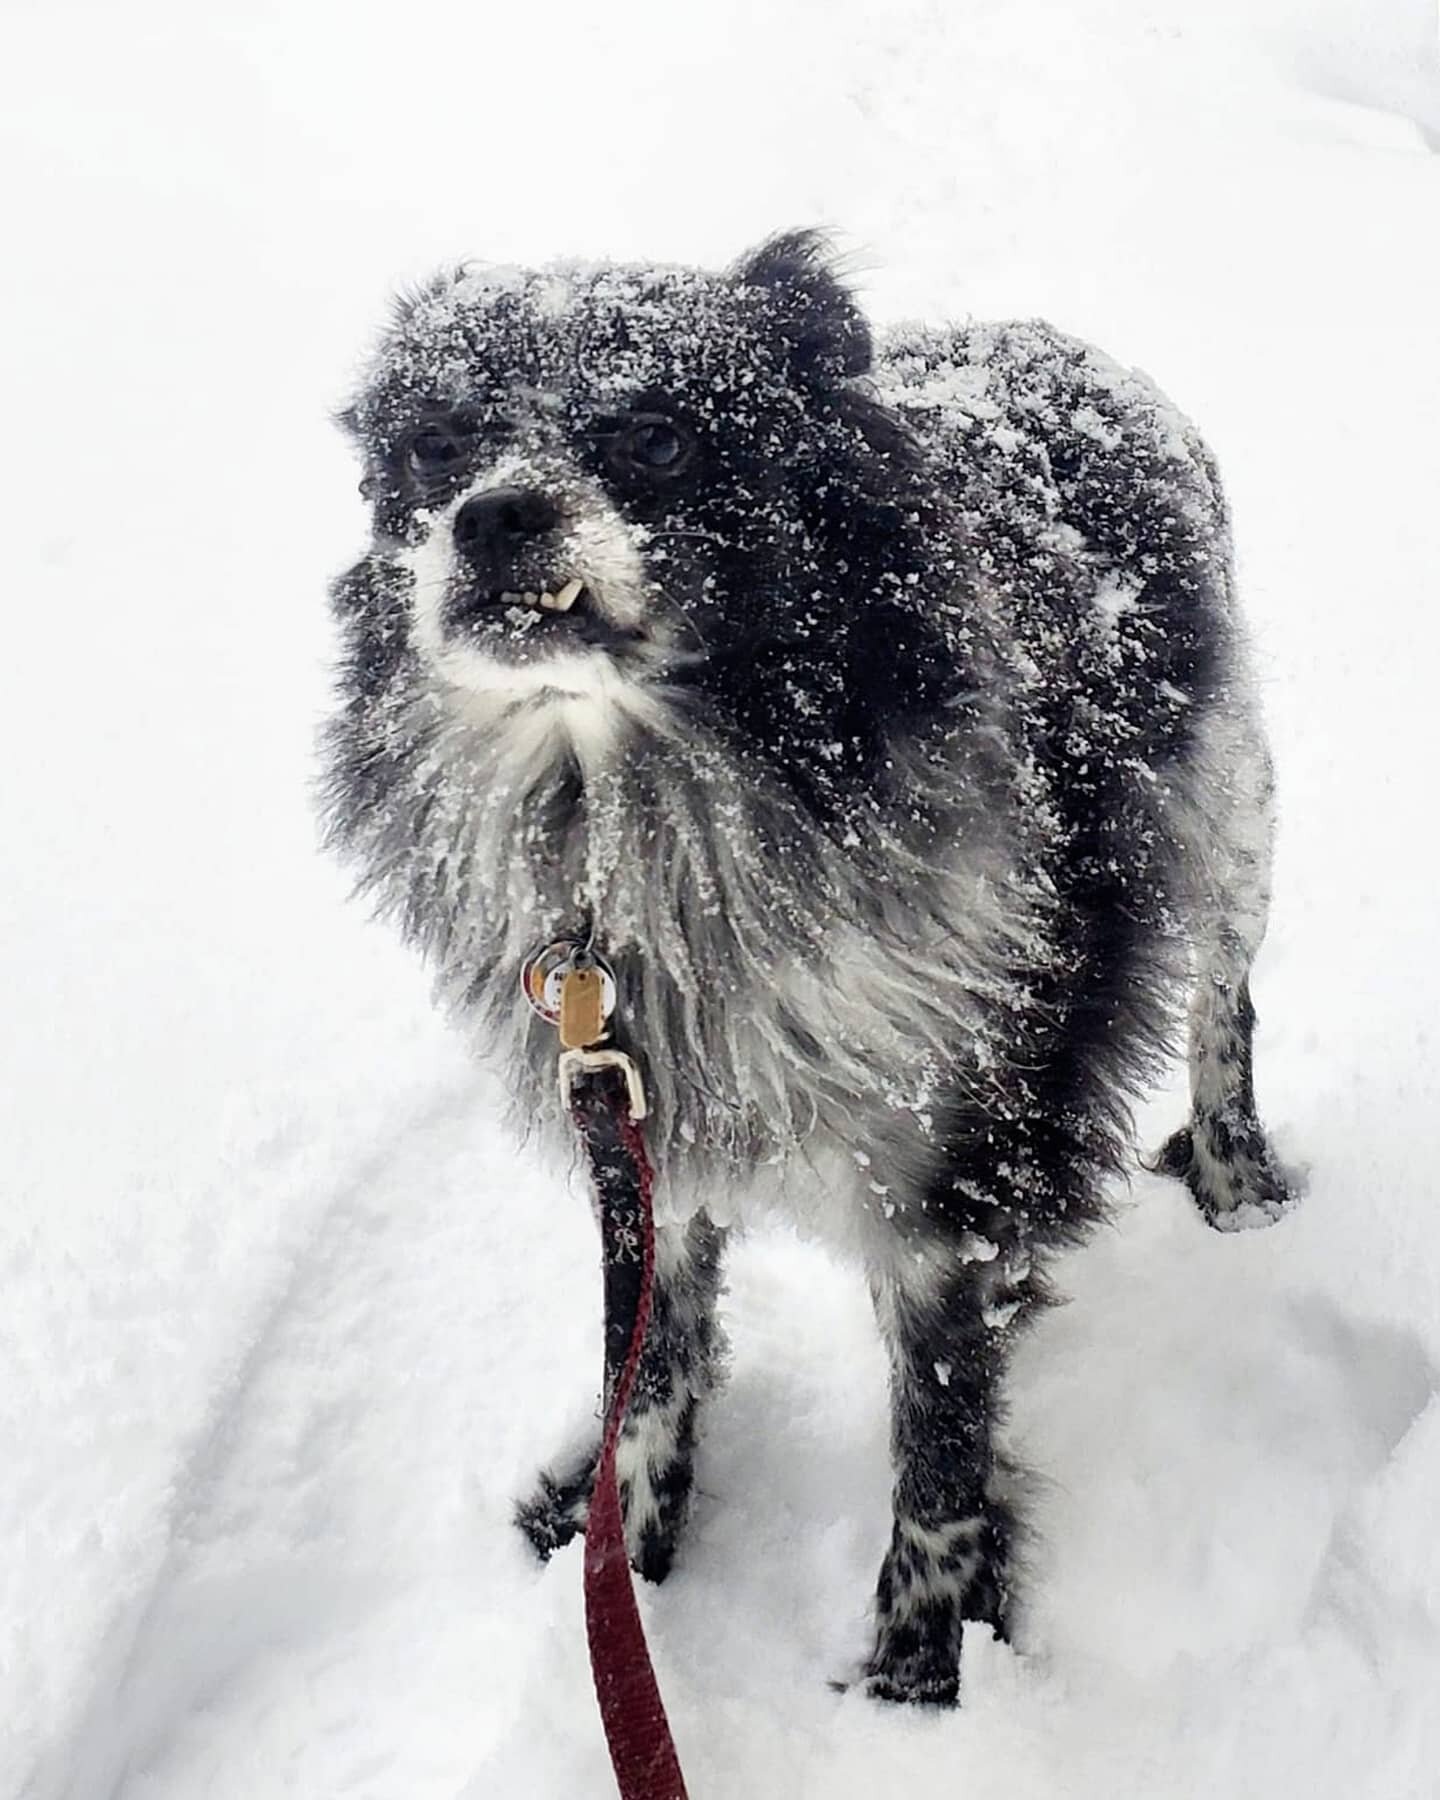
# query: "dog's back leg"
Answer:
x=655 y=1459
x=1223 y=1155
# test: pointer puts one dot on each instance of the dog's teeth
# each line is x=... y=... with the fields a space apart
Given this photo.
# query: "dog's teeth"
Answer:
x=508 y=599
x=530 y=599
x=567 y=596
x=548 y=600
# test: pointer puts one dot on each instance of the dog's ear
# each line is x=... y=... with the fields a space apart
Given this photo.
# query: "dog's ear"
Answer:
x=816 y=314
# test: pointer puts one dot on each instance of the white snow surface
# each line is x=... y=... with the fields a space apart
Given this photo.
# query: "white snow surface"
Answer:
x=284 y=1322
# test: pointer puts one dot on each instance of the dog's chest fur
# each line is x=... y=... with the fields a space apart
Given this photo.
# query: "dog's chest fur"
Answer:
x=791 y=991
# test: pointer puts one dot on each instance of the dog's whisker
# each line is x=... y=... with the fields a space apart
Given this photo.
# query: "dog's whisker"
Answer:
x=708 y=537
x=678 y=606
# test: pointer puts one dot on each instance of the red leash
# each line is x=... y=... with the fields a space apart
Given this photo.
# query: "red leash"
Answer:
x=642 y=1751
x=567 y=984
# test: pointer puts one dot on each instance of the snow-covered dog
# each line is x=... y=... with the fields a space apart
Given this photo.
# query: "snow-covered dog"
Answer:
x=883 y=711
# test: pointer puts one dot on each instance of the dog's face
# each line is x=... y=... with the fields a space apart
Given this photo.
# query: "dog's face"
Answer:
x=598 y=483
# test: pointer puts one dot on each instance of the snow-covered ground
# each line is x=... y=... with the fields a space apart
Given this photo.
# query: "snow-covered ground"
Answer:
x=283 y=1322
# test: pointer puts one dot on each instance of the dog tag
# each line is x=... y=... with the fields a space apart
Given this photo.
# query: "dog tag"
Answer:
x=544 y=974
x=582 y=1008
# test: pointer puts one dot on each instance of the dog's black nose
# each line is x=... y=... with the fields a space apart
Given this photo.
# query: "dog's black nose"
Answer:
x=502 y=520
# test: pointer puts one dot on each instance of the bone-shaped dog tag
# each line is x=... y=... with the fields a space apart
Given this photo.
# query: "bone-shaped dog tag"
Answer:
x=582 y=1008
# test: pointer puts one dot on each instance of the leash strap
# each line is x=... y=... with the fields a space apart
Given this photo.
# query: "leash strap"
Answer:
x=601 y=1097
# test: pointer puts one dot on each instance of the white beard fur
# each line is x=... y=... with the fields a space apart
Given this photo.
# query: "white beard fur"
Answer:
x=788 y=1006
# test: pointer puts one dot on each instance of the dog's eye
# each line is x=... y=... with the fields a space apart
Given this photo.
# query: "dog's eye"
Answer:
x=432 y=451
x=651 y=445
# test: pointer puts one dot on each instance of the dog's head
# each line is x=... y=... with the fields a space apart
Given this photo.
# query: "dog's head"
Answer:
x=606 y=488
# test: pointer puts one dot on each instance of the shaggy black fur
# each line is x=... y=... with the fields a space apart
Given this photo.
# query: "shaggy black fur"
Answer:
x=901 y=753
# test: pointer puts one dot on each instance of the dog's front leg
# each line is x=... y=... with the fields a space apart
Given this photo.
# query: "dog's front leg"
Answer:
x=655 y=1458
x=947 y=1560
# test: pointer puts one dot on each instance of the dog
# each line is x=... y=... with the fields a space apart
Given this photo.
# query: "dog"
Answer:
x=881 y=709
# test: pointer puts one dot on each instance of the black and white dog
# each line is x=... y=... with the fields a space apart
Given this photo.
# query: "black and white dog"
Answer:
x=882 y=709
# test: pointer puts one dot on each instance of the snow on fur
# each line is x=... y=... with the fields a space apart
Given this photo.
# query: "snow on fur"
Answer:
x=263 y=1242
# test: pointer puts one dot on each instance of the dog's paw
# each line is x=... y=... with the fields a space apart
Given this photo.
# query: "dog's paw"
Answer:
x=1233 y=1176
x=896 y=1689
x=916 y=1660
x=556 y=1512
x=903 y=1685
x=656 y=1500
x=653 y=1557
x=987 y=1602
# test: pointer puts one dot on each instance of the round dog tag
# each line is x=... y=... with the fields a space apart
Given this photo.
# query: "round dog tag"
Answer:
x=543 y=979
